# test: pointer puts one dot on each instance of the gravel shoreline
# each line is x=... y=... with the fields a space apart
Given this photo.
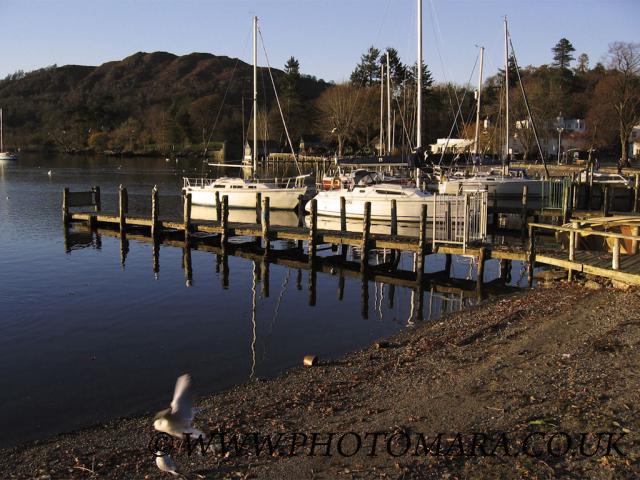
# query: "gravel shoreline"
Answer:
x=536 y=363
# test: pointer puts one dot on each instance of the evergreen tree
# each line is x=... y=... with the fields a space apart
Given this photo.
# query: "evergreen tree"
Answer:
x=367 y=72
x=562 y=53
x=583 y=63
x=291 y=77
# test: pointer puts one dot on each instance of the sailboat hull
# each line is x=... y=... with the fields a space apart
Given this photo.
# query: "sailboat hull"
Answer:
x=279 y=198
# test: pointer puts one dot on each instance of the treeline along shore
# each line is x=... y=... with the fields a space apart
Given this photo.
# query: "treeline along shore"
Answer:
x=539 y=384
x=162 y=104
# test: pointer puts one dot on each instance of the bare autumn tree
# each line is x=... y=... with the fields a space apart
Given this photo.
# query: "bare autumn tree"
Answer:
x=624 y=61
x=339 y=113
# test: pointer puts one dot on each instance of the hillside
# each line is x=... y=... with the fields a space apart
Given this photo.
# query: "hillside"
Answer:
x=146 y=102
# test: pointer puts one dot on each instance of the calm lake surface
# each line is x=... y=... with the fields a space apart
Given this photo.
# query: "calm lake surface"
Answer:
x=86 y=339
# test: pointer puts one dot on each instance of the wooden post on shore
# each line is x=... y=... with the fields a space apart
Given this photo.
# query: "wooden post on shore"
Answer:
x=615 y=262
x=422 y=244
x=572 y=248
x=187 y=216
x=523 y=214
x=394 y=217
x=224 y=222
x=634 y=243
x=96 y=198
x=258 y=207
x=636 y=188
x=265 y=224
x=366 y=233
x=313 y=228
x=218 y=207
x=532 y=255
x=590 y=191
x=605 y=201
x=155 y=211
x=65 y=206
x=565 y=205
x=480 y=277
x=300 y=217
x=123 y=207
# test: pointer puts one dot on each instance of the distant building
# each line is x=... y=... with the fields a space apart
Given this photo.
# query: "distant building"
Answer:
x=634 y=142
x=451 y=145
x=573 y=135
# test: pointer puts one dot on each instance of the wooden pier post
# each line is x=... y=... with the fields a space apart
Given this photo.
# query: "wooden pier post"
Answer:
x=65 y=206
x=523 y=214
x=155 y=211
x=480 y=277
x=572 y=248
x=123 y=207
x=258 y=207
x=615 y=261
x=394 y=217
x=636 y=188
x=366 y=233
x=224 y=222
x=565 y=205
x=265 y=221
x=313 y=228
x=187 y=216
x=531 y=255
x=422 y=244
x=300 y=217
x=96 y=198
x=218 y=207
x=634 y=243
x=590 y=192
x=343 y=214
x=605 y=201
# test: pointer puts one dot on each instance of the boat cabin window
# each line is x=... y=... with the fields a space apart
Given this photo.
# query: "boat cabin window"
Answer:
x=219 y=186
x=389 y=192
x=237 y=186
x=252 y=186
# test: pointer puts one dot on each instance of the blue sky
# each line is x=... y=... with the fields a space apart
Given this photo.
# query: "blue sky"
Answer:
x=327 y=36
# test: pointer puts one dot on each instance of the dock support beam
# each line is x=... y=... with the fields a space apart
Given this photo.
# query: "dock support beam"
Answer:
x=313 y=229
x=394 y=217
x=265 y=221
x=155 y=211
x=422 y=244
x=615 y=262
x=96 y=198
x=224 y=223
x=65 y=206
x=300 y=217
x=523 y=214
x=123 y=207
x=187 y=216
x=605 y=201
x=258 y=207
x=366 y=234
x=218 y=207
x=482 y=253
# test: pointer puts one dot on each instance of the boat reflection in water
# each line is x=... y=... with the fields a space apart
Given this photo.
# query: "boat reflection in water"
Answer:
x=284 y=218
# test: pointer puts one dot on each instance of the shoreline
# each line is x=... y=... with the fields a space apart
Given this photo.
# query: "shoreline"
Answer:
x=547 y=359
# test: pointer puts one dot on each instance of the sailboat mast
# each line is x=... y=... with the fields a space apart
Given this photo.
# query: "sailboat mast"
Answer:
x=419 y=80
x=476 y=141
x=388 y=105
x=381 y=109
x=506 y=89
x=255 y=94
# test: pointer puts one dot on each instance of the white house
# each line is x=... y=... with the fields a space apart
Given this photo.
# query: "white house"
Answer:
x=634 y=142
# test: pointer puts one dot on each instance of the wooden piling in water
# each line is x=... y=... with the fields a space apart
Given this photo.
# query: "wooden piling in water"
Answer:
x=523 y=214
x=265 y=222
x=366 y=233
x=394 y=217
x=96 y=198
x=258 y=207
x=480 y=276
x=343 y=214
x=224 y=222
x=218 y=207
x=605 y=201
x=123 y=207
x=155 y=212
x=422 y=244
x=313 y=229
x=531 y=255
x=300 y=217
x=65 y=206
x=187 y=216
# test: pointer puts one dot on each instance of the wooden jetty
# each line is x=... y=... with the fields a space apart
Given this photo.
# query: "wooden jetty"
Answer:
x=624 y=268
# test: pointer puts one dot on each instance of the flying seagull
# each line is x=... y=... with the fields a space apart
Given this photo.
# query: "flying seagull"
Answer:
x=166 y=464
x=176 y=420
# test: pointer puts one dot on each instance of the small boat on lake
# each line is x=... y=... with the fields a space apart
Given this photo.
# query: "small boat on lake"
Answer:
x=5 y=155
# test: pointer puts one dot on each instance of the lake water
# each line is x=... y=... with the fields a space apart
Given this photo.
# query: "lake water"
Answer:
x=86 y=339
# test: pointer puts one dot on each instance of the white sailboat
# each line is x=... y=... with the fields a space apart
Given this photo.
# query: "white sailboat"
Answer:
x=282 y=193
x=4 y=155
x=409 y=200
x=504 y=182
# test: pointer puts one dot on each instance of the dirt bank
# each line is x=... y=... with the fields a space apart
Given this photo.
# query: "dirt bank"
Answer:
x=550 y=360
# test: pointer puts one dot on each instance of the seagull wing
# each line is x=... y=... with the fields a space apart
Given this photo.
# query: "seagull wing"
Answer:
x=182 y=403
